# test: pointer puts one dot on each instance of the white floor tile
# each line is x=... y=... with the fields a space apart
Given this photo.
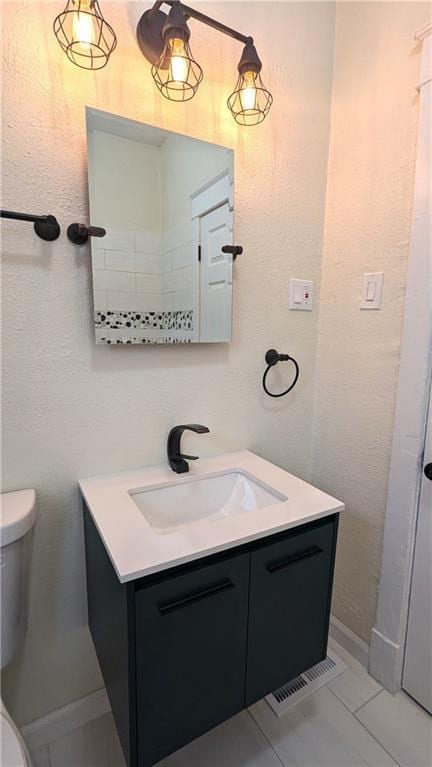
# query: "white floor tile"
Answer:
x=102 y=746
x=235 y=743
x=40 y=757
x=403 y=727
x=354 y=687
x=320 y=732
x=68 y=751
x=95 y=745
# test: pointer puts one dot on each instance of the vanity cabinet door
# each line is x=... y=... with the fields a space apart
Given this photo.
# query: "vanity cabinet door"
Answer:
x=190 y=654
x=290 y=592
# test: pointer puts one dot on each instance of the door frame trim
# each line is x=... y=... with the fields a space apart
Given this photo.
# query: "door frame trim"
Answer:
x=212 y=194
x=389 y=633
x=215 y=193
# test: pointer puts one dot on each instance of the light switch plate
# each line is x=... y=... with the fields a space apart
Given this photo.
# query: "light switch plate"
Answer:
x=372 y=290
x=301 y=295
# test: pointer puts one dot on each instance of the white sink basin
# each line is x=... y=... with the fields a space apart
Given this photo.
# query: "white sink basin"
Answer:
x=152 y=519
x=169 y=507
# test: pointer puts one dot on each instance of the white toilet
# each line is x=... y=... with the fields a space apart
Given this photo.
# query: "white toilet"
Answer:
x=18 y=512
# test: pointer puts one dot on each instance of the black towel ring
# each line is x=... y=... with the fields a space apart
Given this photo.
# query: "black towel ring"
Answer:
x=272 y=358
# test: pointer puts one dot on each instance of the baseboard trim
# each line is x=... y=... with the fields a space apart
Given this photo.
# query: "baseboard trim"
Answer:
x=64 y=720
x=386 y=661
x=349 y=641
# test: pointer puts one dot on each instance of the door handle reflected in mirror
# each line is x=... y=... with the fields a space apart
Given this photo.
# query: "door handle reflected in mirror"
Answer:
x=79 y=233
x=234 y=250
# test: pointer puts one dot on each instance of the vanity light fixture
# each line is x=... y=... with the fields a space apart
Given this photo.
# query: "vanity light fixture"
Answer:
x=176 y=73
x=164 y=41
x=83 y=34
x=250 y=101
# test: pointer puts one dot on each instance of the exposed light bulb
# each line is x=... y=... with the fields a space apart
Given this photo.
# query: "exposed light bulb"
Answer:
x=83 y=27
x=248 y=91
x=84 y=35
x=178 y=61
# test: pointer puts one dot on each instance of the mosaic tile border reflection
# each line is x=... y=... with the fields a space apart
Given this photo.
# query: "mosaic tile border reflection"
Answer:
x=135 y=340
x=176 y=320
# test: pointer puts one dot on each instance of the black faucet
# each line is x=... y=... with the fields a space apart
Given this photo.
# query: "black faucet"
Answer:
x=177 y=461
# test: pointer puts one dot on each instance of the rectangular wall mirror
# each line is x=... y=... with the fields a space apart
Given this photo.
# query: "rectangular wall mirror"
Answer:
x=166 y=202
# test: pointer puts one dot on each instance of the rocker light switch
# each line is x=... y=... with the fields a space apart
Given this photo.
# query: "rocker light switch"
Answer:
x=301 y=295
x=372 y=290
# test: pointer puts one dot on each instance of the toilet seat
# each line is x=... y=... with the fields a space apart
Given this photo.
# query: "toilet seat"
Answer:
x=13 y=750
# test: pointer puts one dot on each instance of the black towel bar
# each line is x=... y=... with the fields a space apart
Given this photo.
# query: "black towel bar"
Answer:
x=46 y=227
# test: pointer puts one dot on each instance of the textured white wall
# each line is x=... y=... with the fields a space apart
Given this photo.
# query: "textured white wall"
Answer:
x=369 y=196
x=72 y=409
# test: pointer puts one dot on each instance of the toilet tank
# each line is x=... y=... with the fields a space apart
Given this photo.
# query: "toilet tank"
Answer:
x=18 y=512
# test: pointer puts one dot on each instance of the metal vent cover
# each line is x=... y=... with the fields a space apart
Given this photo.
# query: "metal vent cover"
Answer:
x=300 y=687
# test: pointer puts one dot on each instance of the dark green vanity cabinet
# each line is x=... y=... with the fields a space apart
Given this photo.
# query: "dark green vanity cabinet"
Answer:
x=184 y=650
x=191 y=635
x=289 y=608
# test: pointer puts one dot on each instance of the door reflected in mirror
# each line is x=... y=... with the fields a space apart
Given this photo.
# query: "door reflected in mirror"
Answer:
x=166 y=202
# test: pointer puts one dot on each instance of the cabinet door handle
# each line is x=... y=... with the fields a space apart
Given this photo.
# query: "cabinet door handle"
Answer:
x=281 y=563
x=167 y=607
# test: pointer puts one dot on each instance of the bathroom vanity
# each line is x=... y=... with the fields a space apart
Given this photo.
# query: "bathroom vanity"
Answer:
x=205 y=592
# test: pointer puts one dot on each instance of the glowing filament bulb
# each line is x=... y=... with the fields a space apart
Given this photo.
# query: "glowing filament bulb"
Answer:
x=83 y=29
x=178 y=61
x=248 y=92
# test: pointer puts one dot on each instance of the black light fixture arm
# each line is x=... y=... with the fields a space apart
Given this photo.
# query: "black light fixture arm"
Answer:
x=46 y=227
x=192 y=13
x=157 y=33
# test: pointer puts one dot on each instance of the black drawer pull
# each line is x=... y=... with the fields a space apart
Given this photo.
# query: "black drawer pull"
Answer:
x=167 y=607
x=274 y=566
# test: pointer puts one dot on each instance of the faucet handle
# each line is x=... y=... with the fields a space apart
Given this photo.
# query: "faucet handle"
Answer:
x=196 y=427
x=189 y=457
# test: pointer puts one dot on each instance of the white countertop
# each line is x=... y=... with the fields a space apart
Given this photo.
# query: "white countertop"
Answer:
x=136 y=550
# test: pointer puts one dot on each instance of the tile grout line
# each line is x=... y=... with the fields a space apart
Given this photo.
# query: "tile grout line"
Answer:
x=38 y=751
x=364 y=726
x=352 y=668
x=259 y=728
x=367 y=701
x=340 y=676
